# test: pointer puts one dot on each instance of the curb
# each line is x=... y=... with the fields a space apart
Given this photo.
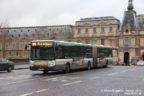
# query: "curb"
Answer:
x=21 y=68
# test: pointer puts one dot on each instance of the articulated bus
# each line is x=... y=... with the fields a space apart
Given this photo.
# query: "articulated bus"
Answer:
x=51 y=55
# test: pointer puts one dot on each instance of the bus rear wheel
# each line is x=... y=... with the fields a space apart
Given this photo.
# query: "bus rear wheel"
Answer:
x=45 y=71
x=67 y=68
x=106 y=65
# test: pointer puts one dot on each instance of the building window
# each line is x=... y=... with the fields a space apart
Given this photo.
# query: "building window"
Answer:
x=102 y=41
x=127 y=31
x=102 y=29
x=17 y=45
x=10 y=45
x=94 y=30
x=17 y=54
x=86 y=30
x=126 y=42
x=79 y=30
x=10 y=53
x=26 y=35
x=110 y=29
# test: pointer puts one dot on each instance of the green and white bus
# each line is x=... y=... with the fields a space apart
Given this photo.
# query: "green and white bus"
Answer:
x=51 y=55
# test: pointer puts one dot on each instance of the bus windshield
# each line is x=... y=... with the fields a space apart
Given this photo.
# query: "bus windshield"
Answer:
x=42 y=53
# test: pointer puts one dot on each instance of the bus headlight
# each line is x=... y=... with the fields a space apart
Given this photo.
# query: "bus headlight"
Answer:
x=51 y=63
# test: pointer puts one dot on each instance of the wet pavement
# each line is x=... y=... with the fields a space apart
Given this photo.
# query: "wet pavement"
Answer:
x=111 y=81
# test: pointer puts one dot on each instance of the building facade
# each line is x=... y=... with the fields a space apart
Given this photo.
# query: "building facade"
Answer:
x=14 y=39
x=131 y=35
x=125 y=37
x=100 y=31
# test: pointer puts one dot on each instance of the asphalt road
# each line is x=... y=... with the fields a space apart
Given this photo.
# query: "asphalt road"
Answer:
x=112 y=81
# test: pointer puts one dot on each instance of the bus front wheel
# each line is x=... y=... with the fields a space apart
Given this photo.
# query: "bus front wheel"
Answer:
x=45 y=71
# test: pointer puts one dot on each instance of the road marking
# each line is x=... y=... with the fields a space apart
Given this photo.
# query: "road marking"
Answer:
x=93 y=78
x=123 y=71
x=43 y=90
x=2 y=78
x=112 y=74
x=39 y=91
x=51 y=79
x=64 y=80
x=27 y=94
x=19 y=81
x=18 y=77
x=72 y=83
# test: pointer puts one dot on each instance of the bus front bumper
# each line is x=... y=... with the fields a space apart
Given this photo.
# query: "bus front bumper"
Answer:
x=41 y=68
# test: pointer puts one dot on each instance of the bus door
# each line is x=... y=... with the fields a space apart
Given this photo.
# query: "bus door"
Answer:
x=77 y=58
x=94 y=52
x=77 y=62
x=101 y=57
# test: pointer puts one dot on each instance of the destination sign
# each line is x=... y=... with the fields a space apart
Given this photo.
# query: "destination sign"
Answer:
x=41 y=44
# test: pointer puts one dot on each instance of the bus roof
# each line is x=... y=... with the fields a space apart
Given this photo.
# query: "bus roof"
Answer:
x=72 y=43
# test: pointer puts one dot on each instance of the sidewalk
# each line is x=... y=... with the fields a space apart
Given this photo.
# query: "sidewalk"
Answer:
x=21 y=66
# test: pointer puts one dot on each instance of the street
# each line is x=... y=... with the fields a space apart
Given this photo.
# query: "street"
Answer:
x=111 y=81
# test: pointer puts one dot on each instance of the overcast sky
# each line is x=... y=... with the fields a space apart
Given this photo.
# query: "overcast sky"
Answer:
x=61 y=12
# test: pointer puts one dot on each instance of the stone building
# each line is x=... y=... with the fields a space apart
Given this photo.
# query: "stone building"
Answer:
x=14 y=39
x=126 y=37
x=131 y=35
x=98 y=30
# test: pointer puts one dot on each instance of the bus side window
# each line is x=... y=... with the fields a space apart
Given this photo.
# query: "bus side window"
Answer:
x=59 y=52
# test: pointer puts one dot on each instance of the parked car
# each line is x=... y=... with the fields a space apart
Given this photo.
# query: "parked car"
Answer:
x=134 y=60
x=6 y=65
x=140 y=63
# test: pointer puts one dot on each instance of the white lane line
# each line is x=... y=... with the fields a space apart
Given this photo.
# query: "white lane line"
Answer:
x=113 y=74
x=2 y=78
x=51 y=79
x=39 y=91
x=19 y=81
x=55 y=78
x=72 y=83
x=123 y=71
x=93 y=78
x=43 y=90
x=27 y=94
